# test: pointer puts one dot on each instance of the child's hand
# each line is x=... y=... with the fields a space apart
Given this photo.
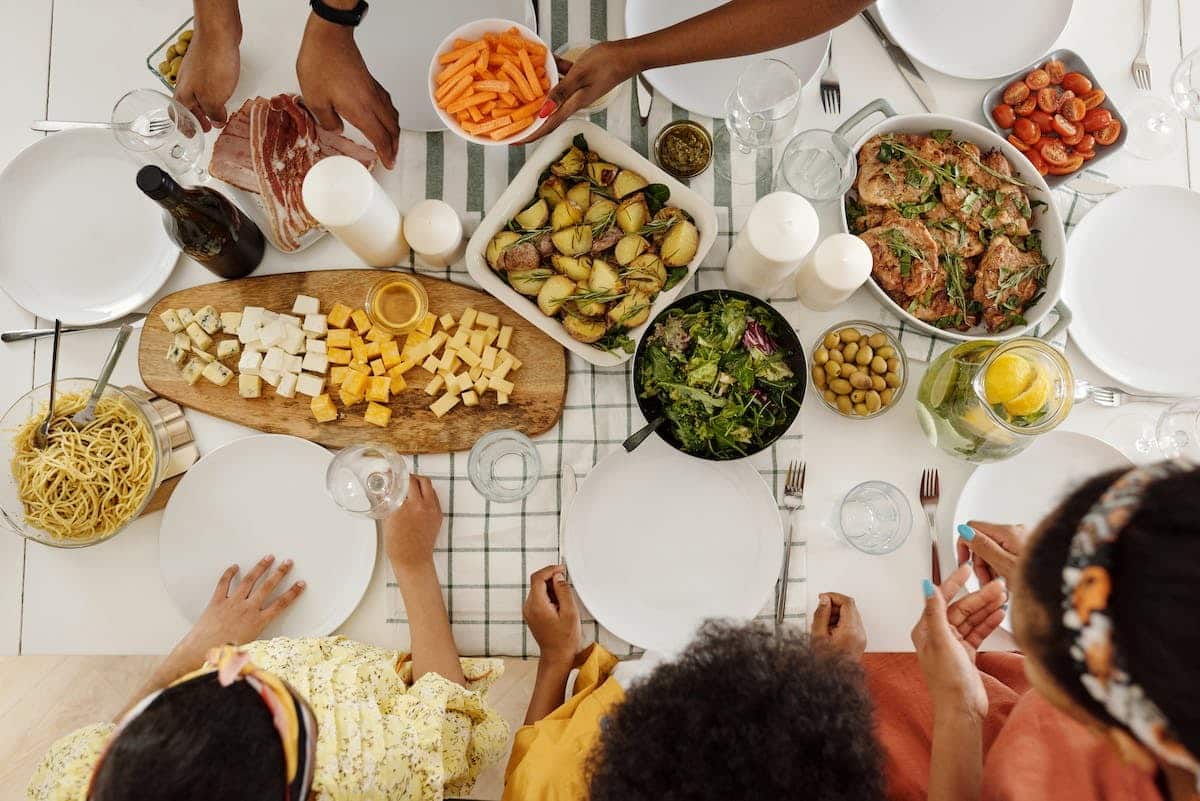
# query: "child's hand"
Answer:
x=552 y=616
x=410 y=533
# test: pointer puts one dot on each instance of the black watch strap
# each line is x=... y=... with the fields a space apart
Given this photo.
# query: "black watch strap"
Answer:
x=338 y=16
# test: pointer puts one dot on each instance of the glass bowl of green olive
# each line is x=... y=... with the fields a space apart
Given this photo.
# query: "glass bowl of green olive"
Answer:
x=858 y=369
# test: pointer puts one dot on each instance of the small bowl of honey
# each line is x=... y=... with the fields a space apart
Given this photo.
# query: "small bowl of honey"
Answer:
x=397 y=303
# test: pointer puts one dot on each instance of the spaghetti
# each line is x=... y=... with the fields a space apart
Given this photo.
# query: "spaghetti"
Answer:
x=87 y=482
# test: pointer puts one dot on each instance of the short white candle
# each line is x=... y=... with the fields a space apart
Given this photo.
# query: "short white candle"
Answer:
x=833 y=271
x=780 y=231
x=435 y=233
x=342 y=196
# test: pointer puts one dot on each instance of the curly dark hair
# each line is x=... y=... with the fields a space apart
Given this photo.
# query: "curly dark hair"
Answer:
x=1155 y=599
x=743 y=714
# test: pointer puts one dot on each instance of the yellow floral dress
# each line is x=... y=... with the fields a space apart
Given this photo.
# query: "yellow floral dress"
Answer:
x=380 y=736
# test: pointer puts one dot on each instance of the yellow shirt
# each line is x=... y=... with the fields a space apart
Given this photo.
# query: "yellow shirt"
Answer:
x=380 y=736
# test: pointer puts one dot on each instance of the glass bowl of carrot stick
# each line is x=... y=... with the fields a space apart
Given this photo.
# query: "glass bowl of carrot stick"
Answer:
x=488 y=80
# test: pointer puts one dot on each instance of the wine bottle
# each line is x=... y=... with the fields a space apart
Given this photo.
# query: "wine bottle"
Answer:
x=205 y=224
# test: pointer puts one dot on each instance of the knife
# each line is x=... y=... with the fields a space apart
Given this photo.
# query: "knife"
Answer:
x=569 y=485
x=135 y=320
x=903 y=63
x=645 y=98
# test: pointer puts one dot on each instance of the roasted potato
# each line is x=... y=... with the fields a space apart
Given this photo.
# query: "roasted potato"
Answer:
x=573 y=241
x=556 y=291
x=679 y=246
x=577 y=269
x=633 y=213
x=601 y=210
x=499 y=242
x=530 y=282
x=580 y=194
x=629 y=248
x=584 y=329
x=553 y=190
x=632 y=311
x=647 y=273
x=605 y=278
x=534 y=216
x=571 y=163
x=565 y=215
x=627 y=182
x=602 y=173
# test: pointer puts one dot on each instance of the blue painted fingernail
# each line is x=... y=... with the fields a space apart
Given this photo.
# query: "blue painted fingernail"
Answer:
x=927 y=588
x=966 y=532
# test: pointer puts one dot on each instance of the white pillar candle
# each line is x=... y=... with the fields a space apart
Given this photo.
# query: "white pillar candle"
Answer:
x=342 y=196
x=833 y=271
x=435 y=233
x=780 y=231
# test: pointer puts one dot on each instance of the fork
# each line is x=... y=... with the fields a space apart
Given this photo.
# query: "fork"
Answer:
x=1113 y=397
x=1141 y=65
x=793 y=501
x=148 y=128
x=831 y=90
x=930 y=491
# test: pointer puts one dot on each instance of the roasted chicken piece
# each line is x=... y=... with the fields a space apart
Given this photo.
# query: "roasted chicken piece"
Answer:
x=1007 y=279
x=985 y=201
x=905 y=256
x=900 y=179
x=952 y=234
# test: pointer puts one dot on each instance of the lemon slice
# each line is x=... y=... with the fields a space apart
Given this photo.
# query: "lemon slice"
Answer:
x=1007 y=378
x=1031 y=400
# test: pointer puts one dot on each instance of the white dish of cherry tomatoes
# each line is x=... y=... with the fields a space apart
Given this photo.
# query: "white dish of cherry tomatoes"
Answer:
x=1056 y=114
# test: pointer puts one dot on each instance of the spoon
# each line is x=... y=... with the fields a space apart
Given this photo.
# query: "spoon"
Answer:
x=42 y=435
x=88 y=413
x=639 y=436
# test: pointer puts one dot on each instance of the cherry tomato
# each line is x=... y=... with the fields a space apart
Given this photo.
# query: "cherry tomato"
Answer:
x=1026 y=106
x=1015 y=93
x=1016 y=142
x=1077 y=82
x=1037 y=79
x=1043 y=120
x=1071 y=141
x=1069 y=166
x=1027 y=130
x=1056 y=70
x=1088 y=155
x=1086 y=145
x=1094 y=98
x=1049 y=99
x=1096 y=119
x=1039 y=163
x=1074 y=109
x=1004 y=115
x=1109 y=133
x=1065 y=128
x=1054 y=153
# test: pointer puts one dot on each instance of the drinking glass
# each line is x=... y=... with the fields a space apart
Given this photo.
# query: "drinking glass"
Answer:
x=157 y=130
x=1158 y=126
x=504 y=466
x=759 y=113
x=1179 y=431
x=817 y=165
x=875 y=517
x=368 y=480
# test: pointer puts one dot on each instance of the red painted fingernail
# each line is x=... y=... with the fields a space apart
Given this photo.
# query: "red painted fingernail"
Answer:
x=547 y=109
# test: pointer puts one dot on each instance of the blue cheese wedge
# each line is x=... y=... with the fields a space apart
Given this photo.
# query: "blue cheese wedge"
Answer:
x=198 y=336
x=192 y=370
x=183 y=341
x=217 y=373
x=170 y=319
x=185 y=315
x=249 y=386
x=203 y=355
x=227 y=349
x=176 y=354
x=305 y=305
x=230 y=322
x=208 y=319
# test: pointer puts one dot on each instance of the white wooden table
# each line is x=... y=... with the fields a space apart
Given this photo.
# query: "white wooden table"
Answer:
x=71 y=59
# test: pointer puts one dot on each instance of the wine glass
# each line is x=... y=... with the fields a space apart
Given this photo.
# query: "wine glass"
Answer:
x=759 y=113
x=368 y=480
x=1158 y=126
x=1178 y=431
x=157 y=130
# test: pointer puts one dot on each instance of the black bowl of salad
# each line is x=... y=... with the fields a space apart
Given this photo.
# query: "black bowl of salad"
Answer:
x=725 y=371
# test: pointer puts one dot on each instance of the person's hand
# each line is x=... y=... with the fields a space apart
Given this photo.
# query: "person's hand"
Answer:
x=209 y=72
x=583 y=82
x=552 y=616
x=992 y=548
x=336 y=84
x=838 y=625
x=947 y=639
x=238 y=613
x=411 y=531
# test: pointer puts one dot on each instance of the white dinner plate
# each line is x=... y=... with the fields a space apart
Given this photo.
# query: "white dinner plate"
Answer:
x=78 y=240
x=658 y=542
x=1027 y=487
x=1133 y=287
x=266 y=495
x=703 y=86
x=960 y=37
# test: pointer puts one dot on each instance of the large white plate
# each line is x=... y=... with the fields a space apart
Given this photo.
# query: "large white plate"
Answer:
x=266 y=495
x=962 y=38
x=703 y=86
x=1027 y=487
x=658 y=542
x=1133 y=286
x=78 y=240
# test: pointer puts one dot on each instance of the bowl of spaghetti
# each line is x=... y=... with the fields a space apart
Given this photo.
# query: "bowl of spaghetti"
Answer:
x=88 y=482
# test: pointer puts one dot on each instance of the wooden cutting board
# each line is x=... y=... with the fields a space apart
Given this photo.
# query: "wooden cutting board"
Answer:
x=534 y=407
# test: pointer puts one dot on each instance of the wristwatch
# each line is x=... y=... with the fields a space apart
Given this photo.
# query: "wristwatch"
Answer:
x=338 y=16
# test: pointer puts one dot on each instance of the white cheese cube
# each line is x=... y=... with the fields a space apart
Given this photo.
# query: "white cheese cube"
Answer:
x=255 y=346
x=171 y=320
x=253 y=314
x=293 y=364
x=315 y=324
x=227 y=349
x=209 y=320
x=287 y=385
x=289 y=319
x=315 y=362
x=248 y=332
x=293 y=340
x=305 y=304
x=270 y=376
x=176 y=355
x=185 y=315
x=249 y=386
x=272 y=334
x=192 y=370
x=274 y=360
x=310 y=385
x=268 y=317
x=199 y=338
x=183 y=341
x=315 y=346
x=217 y=373
x=230 y=321
x=203 y=355
x=250 y=362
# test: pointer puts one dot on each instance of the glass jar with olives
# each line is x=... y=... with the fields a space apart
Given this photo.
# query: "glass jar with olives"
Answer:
x=859 y=369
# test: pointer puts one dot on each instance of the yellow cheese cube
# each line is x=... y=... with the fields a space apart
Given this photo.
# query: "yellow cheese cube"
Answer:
x=373 y=350
x=398 y=384
x=431 y=364
x=476 y=373
x=447 y=320
x=501 y=399
x=435 y=385
x=338 y=356
x=505 y=338
x=378 y=415
x=338 y=316
x=471 y=357
x=500 y=385
x=467 y=320
x=490 y=336
x=516 y=363
x=443 y=404
x=404 y=366
x=359 y=349
x=338 y=338
x=337 y=375
x=377 y=367
x=476 y=342
x=469 y=398
x=359 y=367
x=415 y=338
x=460 y=338
x=323 y=409
x=435 y=342
x=355 y=383
x=488 y=360
x=378 y=388
x=362 y=323
x=487 y=320
x=465 y=382
x=481 y=385
x=349 y=398
x=427 y=323
x=390 y=353
x=453 y=385
x=502 y=370
x=377 y=334
x=449 y=356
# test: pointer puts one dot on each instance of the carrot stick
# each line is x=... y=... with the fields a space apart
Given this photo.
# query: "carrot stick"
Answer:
x=461 y=89
x=459 y=44
x=476 y=114
x=459 y=54
x=544 y=82
x=449 y=72
x=527 y=110
x=523 y=88
x=486 y=127
x=452 y=86
x=499 y=87
x=530 y=75
x=470 y=100
x=482 y=62
x=509 y=130
x=508 y=99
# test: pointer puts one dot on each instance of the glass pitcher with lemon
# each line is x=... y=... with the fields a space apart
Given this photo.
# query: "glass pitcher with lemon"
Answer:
x=985 y=401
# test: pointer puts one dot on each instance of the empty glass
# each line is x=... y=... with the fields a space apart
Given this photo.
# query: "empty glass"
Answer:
x=875 y=517
x=369 y=480
x=1179 y=431
x=759 y=113
x=817 y=165
x=504 y=466
x=157 y=130
x=1158 y=126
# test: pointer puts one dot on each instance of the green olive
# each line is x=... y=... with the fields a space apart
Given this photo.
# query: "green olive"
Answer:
x=879 y=365
x=850 y=335
x=164 y=67
x=175 y=62
x=887 y=351
x=893 y=365
x=877 y=340
x=836 y=356
x=858 y=396
x=181 y=47
x=865 y=355
x=877 y=383
x=860 y=381
x=861 y=409
x=820 y=379
x=892 y=380
x=830 y=397
x=886 y=396
x=186 y=36
x=832 y=340
x=844 y=405
x=849 y=351
x=821 y=356
x=832 y=370
x=841 y=386
x=171 y=52
x=874 y=401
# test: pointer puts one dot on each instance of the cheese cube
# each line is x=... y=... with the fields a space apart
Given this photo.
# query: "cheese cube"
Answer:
x=249 y=386
x=377 y=367
x=185 y=315
x=362 y=323
x=516 y=363
x=505 y=337
x=272 y=334
x=315 y=325
x=203 y=355
x=481 y=385
x=315 y=362
x=377 y=334
x=488 y=360
x=217 y=373
x=470 y=357
x=378 y=388
x=274 y=360
x=500 y=385
x=250 y=362
x=338 y=316
x=293 y=340
x=476 y=373
x=338 y=356
x=476 y=342
x=435 y=343
x=349 y=398
x=490 y=336
x=355 y=383
x=176 y=354
x=389 y=353
x=323 y=409
x=431 y=364
x=337 y=375
x=377 y=415
x=452 y=383
x=230 y=322
x=447 y=359
x=249 y=332
x=270 y=376
x=183 y=341
x=199 y=338
x=435 y=385
x=170 y=319
x=404 y=366
x=290 y=320
x=416 y=338
x=310 y=385
x=501 y=399
x=208 y=319
x=338 y=338
x=469 y=398
x=268 y=317
x=252 y=314
x=287 y=385
x=192 y=370
x=304 y=304
x=460 y=338
x=502 y=370
x=487 y=320
x=465 y=382
x=315 y=346
x=398 y=384
x=292 y=364
x=467 y=320
x=359 y=349
x=227 y=349
x=359 y=367
x=447 y=320
x=443 y=405
x=372 y=350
